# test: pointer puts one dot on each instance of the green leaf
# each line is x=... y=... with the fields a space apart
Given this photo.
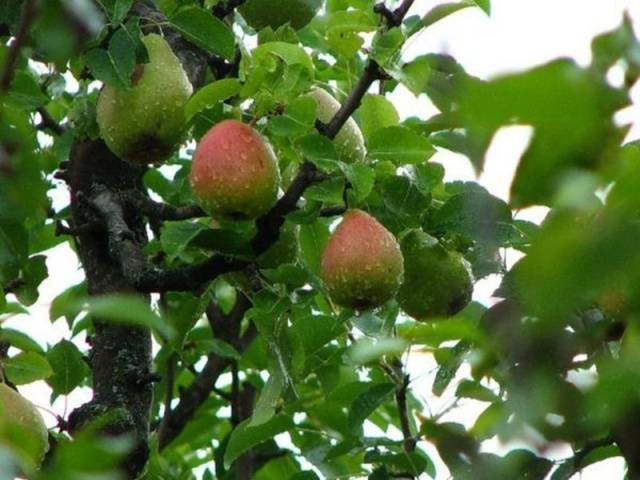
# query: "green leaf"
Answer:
x=475 y=214
x=377 y=112
x=114 y=66
x=319 y=150
x=116 y=9
x=400 y=145
x=490 y=421
x=219 y=347
x=26 y=367
x=69 y=303
x=449 y=367
x=485 y=5
x=289 y=53
x=14 y=244
x=297 y=119
x=204 y=30
x=20 y=340
x=329 y=191
x=571 y=111
x=472 y=389
x=176 y=236
x=69 y=367
x=127 y=310
x=362 y=179
x=34 y=271
x=439 y=12
x=26 y=92
x=225 y=294
x=212 y=94
x=245 y=437
x=365 y=404
x=366 y=350
x=265 y=407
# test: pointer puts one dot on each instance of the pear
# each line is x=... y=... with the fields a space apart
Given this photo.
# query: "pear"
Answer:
x=274 y=13
x=349 y=141
x=437 y=282
x=145 y=123
x=362 y=263
x=22 y=428
x=234 y=173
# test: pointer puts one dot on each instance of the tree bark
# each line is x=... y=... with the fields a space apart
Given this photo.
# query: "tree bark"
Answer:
x=120 y=355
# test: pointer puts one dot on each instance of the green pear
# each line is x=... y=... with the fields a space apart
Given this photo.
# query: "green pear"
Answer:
x=22 y=428
x=361 y=265
x=437 y=282
x=145 y=123
x=274 y=13
x=349 y=141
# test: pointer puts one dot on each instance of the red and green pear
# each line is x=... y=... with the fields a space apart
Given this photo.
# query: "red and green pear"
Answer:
x=362 y=265
x=234 y=174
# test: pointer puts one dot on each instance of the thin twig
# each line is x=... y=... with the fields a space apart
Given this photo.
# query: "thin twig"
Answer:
x=222 y=10
x=49 y=123
x=403 y=411
x=161 y=211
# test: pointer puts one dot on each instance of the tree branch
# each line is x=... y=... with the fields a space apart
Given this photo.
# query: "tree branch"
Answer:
x=372 y=72
x=393 y=17
x=161 y=211
x=403 y=411
x=224 y=9
x=134 y=264
x=48 y=122
x=11 y=59
x=226 y=327
x=270 y=223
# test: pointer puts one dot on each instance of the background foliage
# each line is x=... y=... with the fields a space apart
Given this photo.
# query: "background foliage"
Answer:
x=261 y=352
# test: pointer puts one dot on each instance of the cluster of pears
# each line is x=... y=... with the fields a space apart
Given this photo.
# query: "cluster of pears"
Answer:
x=22 y=429
x=234 y=174
x=363 y=266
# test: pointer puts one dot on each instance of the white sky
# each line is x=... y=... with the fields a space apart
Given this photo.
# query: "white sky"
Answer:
x=518 y=35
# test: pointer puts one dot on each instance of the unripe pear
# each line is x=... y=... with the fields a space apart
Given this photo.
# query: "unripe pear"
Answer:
x=362 y=264
x=275 y=13
x=349 y=141
x=22 y=428
x=437 y=282
x=145 y=123
x=234 y=173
